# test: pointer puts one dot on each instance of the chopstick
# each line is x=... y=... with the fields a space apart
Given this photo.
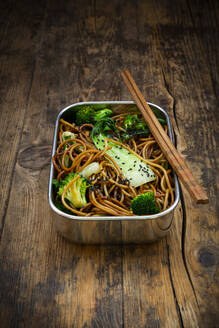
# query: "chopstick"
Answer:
x=170 y=152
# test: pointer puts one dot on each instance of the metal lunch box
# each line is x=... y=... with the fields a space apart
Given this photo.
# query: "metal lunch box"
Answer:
x=113 y=229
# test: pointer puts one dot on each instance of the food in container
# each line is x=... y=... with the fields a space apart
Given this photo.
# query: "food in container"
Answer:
x=111 y=210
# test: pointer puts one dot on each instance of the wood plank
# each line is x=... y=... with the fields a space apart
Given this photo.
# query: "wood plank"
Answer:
x=48 y=281
x=18 y=37
x=158 y=298
x=189 y=80
x=205 y=22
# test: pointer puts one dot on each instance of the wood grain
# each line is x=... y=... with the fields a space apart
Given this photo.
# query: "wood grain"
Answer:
x=201 y=148
x=64 y=52
x=17 y=46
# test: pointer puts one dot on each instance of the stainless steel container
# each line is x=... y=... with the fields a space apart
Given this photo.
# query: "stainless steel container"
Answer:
x=113 y=229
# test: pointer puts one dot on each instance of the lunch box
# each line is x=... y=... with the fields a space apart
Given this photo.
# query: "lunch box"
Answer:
x=112 y=229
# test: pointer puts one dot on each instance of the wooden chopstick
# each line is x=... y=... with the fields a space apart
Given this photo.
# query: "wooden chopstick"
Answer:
x=172 y=155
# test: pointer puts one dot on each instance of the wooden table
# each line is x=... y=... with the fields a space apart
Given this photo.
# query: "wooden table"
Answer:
x=57 y=53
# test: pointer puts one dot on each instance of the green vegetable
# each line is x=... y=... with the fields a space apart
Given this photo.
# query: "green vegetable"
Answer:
x=55 y=184
x=99 y=115
x=76 y=194
x=104 y=125
x=61 y=207
x=135 y=126
x=67 y=135
x=91 y=114
x=144 y=204
x=130 y=121
x=84 y=115
x=162 y=122
x=92 y=168
x=132 y=167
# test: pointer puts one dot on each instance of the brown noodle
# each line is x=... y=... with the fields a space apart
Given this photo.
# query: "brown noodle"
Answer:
x=111 y=193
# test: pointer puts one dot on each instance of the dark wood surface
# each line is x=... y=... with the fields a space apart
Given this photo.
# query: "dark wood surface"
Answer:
x=52 y=54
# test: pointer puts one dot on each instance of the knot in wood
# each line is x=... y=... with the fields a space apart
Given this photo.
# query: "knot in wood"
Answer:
x=35 y=157
x=206 y=257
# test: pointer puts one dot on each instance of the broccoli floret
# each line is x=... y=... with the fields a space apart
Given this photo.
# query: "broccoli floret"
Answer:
x=100 y=114
x=144 y=204
x=76 y=194
x=130 y=121
x=85 y=115
x=88 y=114
x=134 y=126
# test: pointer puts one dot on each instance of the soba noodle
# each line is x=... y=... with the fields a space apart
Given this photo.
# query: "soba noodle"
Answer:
x=110 y=193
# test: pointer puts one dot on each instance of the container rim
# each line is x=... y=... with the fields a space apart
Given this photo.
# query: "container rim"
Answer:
x=109 y=218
